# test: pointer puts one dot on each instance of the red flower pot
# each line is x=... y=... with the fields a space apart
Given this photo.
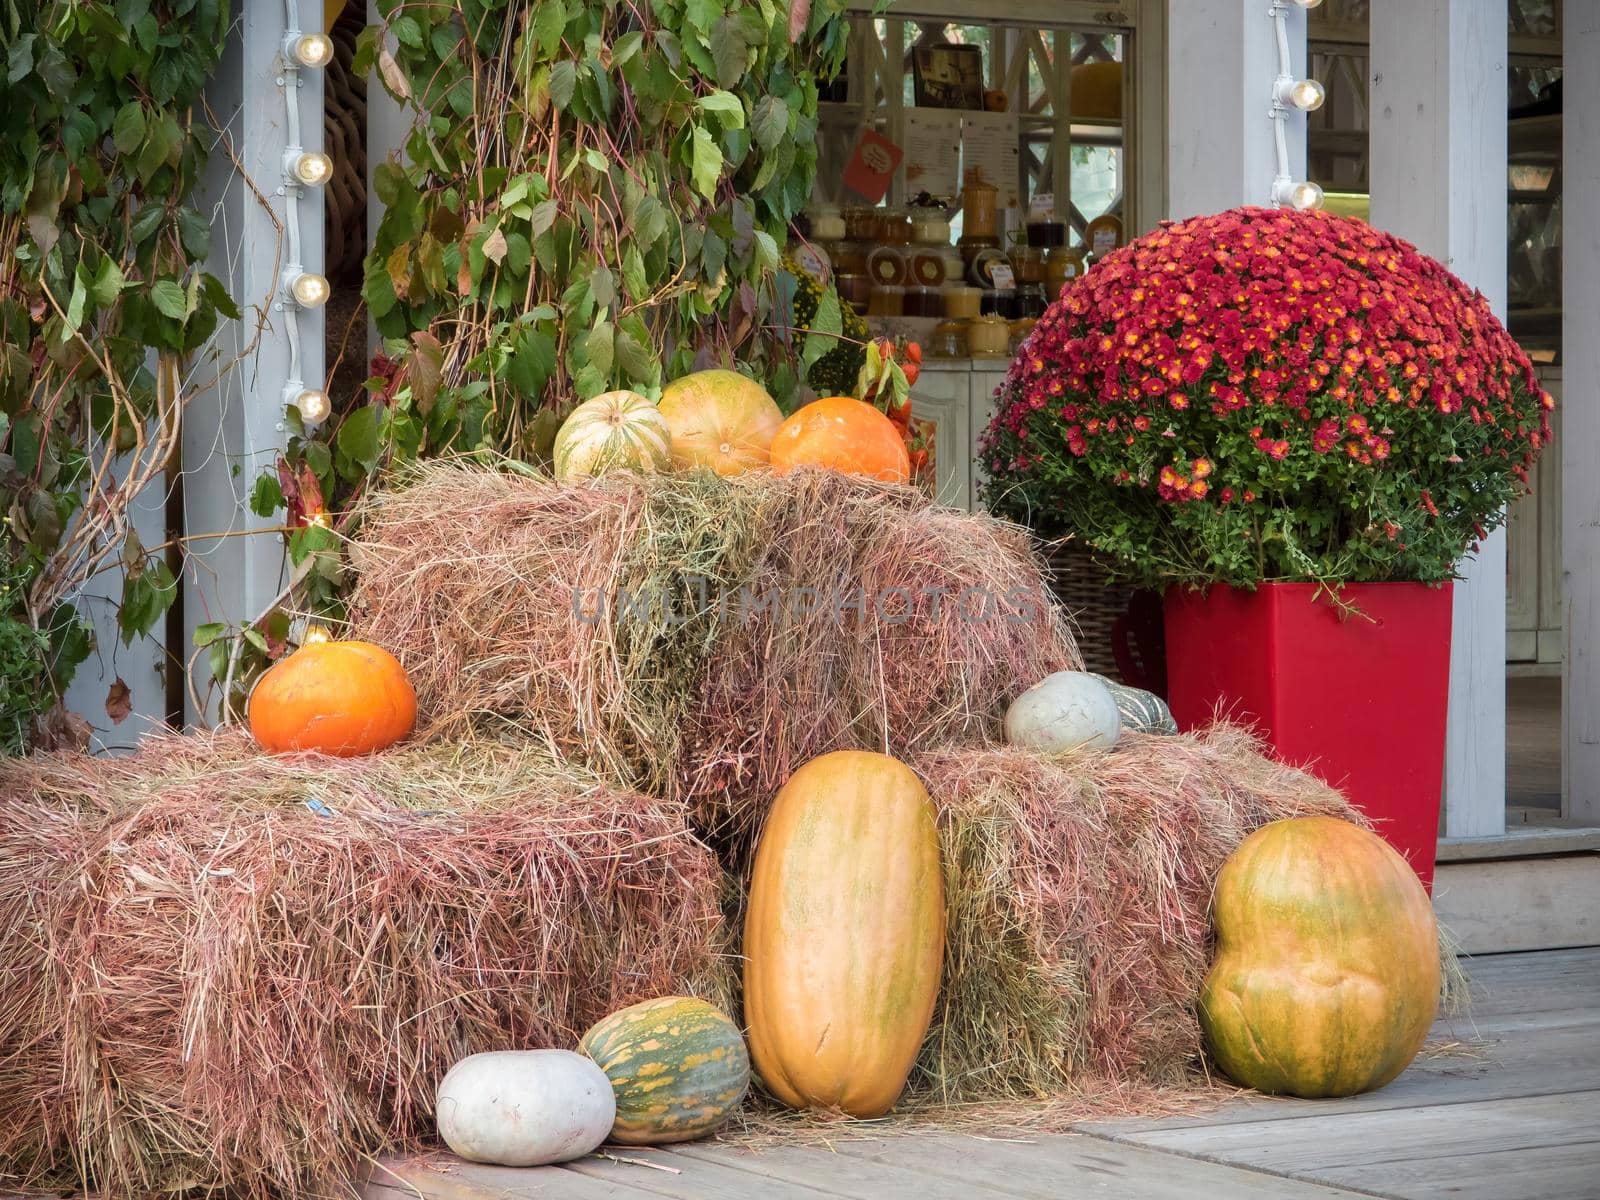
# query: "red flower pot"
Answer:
x=1358 y=699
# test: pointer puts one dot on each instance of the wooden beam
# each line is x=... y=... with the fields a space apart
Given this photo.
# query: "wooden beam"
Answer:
x=1438 y=179
x=1580 y=418
x=236 y=432
x=1222 y=58
x=388 y=124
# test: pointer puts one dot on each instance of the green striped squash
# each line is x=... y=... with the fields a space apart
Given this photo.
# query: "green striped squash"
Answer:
x=1142 y=711
x=678 y=1067
x=615 y=430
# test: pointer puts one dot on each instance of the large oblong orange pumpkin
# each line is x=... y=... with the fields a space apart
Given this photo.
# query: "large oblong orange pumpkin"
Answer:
x=842 y=434
x=1326 y=976
x=720 y=419
x=344 y=698
x=844 y=934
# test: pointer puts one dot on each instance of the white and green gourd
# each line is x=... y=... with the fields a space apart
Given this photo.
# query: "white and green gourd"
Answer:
x=613 y=431
x=1142 y=711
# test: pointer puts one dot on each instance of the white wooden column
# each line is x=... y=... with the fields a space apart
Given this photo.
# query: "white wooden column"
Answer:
x=236 y=431
x=1580 y=417
x=388 y=124
x=1222 y=58
x=1438 y=179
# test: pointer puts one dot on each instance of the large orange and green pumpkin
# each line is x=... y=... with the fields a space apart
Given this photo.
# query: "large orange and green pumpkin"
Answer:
x=343 y=698
x=720 y=419
x=678 y=1067
x=844 y=934
x=1326 y=976
x=842 y=434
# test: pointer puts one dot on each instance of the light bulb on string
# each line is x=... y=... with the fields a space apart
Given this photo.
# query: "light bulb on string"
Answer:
x=309 y=49
x=309 y=290
x=1307 y=3
x=314 y=635
x=1299 y=194
x=310 y=167
x=313 y=405
x=1306 y=95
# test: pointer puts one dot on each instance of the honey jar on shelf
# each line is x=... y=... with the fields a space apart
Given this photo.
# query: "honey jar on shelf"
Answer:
x=887 y=300
x=949 y=340
x=1062 y=264
x=988 y=336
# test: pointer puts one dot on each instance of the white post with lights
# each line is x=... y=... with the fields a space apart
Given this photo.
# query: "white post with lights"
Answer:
x=1236 y=102
x=1438 y=179
x=266 y=215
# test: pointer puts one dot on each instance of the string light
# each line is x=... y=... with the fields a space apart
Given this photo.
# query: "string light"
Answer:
x=311 y=168
x=302 y=289
x=314 y=635
x=309 y=290
x=1303 y=95
x=308 y=49
x=1298 y=194
x=312 y=404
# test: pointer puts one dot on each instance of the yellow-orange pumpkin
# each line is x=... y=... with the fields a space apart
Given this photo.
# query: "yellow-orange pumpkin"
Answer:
x=721 y=420
x=844 y=934
x=1326 y=975
x=343 y=698
x=842 y=434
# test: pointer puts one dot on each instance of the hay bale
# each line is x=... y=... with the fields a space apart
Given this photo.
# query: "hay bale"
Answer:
x=234 y=972
x=808 y=612
x=1078 y=890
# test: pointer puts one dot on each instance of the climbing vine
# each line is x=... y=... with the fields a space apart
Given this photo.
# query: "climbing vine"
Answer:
x=102 y=300
x=594 y=194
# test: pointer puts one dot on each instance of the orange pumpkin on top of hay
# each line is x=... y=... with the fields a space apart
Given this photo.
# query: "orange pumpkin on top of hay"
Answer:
x=842 y=434
x=341 y=698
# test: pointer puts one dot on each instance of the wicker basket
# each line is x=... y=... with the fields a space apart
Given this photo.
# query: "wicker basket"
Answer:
x=1119 y=626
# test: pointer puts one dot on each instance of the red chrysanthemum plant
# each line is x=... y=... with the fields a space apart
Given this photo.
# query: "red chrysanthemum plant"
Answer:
x=1267 y=395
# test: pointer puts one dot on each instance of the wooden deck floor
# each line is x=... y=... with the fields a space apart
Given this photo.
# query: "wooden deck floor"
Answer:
x=1503 y=1105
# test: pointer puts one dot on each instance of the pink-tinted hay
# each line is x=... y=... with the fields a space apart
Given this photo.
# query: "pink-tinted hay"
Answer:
x=1078 y=890
x=210 y=986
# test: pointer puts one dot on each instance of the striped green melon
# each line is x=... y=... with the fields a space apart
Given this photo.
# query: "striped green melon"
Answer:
x=614 y=430
x=1142 y=711
x=678 y=1067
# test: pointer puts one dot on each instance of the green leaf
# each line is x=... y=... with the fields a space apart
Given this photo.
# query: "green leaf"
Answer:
x=169 y=299
x=265 y=499
x=358 y=436
x=145 y=597
x=549 y=21
x=217 y=294
x=407 y=31
x=205 y=634
x=767 y=252
x=19 y=60
x=730 y=50
x=725 y=105
x=600 y=346
x=635 y=356
x=828 y=321
x=625 y=47
x=707 y=163
x=108 y=281
x=770 y=121
x=127 y=131
x=563 y=79
x=195 y=233
x=544 y=216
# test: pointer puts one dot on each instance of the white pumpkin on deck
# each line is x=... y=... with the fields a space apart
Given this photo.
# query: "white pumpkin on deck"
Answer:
x=1070 y=710
x=615 y=430
x=525 y=1108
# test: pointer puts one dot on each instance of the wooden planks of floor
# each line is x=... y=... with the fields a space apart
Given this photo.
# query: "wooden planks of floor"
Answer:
x=1504 y=1104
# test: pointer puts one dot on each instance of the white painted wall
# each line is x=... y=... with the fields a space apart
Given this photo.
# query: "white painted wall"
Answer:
x=236 y=431
x=1438 y=179
x=1222 y=56
x=1580 y=429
